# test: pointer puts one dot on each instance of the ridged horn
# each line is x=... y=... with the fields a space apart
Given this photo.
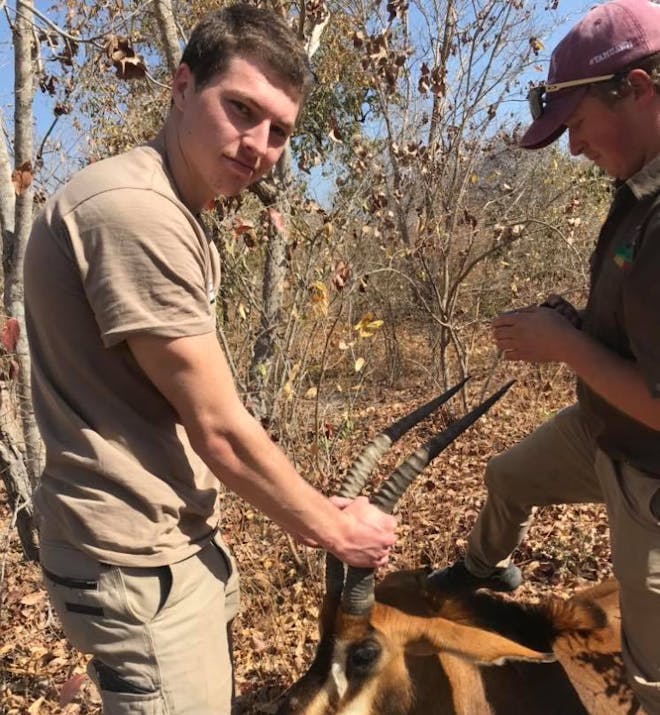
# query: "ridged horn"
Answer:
x=396 y=484
x=358 y=595
x=360 y=470
x=335 y=572
x=358 y=473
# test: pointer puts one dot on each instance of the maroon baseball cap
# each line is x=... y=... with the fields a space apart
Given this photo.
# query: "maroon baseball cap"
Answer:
x=607 y=39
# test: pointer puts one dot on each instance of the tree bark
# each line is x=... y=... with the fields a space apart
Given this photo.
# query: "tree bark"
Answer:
x=19 y=491
x=275 y=269
x=21 y=462
x=168 y=33
x=7 y=199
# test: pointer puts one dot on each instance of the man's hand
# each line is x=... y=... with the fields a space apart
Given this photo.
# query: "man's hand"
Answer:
x=369 y=533
x=536 y=334
x=563 y=307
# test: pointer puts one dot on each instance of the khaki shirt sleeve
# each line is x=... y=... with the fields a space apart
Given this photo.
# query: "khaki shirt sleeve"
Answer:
x=144 y=264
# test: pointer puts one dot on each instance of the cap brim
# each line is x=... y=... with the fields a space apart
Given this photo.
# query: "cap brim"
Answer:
x=552 y=123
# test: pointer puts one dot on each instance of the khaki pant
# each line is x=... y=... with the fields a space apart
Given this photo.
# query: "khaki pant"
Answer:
x=159 y=637
x=560 y=463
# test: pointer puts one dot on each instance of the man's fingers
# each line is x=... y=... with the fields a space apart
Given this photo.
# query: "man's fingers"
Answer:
x=503 y=321
x=383 y=562
x=504 y=343
x=553 y=300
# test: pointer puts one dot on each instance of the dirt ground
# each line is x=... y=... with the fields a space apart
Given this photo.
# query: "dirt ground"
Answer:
x=275 y=634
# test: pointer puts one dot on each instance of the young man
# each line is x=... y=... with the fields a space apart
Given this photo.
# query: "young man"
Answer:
x=604 y=88
x=133 y=395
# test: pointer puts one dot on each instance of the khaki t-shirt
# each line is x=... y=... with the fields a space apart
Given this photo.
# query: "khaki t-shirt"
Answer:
x=113 y=254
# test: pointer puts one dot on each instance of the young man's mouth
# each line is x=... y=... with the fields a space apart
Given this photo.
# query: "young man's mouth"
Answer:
x=248 y=170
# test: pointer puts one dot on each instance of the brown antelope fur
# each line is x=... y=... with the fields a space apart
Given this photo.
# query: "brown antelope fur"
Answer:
x=423 y=652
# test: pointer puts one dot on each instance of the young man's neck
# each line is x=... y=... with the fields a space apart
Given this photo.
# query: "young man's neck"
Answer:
x=182 y=173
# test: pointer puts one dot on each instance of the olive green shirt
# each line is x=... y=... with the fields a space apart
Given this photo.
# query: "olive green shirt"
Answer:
x=623 y=312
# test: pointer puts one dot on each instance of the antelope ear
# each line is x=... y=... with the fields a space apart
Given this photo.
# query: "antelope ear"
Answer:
x=428 y=636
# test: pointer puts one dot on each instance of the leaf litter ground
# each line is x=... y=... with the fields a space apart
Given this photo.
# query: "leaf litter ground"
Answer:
x=275 y=634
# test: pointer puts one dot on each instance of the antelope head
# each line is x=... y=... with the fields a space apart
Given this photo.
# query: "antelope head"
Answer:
x=360 y=667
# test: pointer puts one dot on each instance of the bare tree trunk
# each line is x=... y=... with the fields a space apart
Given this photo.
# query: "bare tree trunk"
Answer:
x=19 y=491
x=168 y=33
x=12 y=461
x=7 y=197
x=21 y=463
x=275 y=270
x=442 y=53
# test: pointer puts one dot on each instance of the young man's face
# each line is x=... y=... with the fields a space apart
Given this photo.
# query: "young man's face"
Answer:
x=233 y=130
x=609 y=136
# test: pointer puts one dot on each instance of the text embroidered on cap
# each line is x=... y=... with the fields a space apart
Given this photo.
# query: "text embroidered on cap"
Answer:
x=621 y=47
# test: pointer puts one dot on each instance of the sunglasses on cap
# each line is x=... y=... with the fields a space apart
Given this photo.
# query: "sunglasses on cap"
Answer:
x=537 y=96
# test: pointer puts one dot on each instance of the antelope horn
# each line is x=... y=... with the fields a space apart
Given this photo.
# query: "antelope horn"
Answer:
x=358 y=594
x=334 y=576
x=393 y=488
x=358 y=473
x=360 y=470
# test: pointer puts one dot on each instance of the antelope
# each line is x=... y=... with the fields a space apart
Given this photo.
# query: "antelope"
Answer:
x=407 y=648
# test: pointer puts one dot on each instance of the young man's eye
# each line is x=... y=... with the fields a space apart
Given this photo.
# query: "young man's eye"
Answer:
x=280 y=132
x=241 y=108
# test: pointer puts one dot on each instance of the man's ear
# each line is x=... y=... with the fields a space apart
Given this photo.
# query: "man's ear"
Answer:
x=642 y=85
x=183 y=83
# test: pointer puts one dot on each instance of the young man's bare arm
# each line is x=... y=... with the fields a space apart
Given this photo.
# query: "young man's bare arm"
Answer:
x=193 y=375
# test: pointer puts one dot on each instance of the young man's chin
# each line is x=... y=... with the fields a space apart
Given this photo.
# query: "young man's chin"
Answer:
x=232 y=188
x=237 y=189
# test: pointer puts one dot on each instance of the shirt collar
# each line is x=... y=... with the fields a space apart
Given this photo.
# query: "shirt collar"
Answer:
x=647 y=180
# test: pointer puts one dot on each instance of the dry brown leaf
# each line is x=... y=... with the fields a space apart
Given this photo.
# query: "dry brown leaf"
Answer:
x=10 y=333
x=35 y=708
x=22 y=177
x=277 y=220
x=33 y=598
x=71 y=687
x=127 y=63
x=341 y=275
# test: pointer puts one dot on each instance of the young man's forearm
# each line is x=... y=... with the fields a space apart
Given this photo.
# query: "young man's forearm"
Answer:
x=248 y=463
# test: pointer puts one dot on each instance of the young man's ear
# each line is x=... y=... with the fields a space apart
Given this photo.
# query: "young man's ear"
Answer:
x=183 y=83
x=642 y=85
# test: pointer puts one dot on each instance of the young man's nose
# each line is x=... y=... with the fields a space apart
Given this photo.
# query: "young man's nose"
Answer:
x=256 y=139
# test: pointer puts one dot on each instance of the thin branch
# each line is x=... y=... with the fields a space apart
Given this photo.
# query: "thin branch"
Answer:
x=40 y=152
x=315 y=38
x=80 y=40
x=153 y=80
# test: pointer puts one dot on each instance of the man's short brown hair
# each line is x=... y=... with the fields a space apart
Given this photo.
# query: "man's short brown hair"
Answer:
x=246 y=31
x=619 y=86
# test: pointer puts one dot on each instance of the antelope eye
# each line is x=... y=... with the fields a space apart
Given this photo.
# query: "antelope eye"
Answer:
x=361 y=658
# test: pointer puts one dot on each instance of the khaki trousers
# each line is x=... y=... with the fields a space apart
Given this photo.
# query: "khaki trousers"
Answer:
x=560 y=463
x=159 y=637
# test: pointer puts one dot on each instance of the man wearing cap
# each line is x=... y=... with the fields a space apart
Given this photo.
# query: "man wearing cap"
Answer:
x=604 y=88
